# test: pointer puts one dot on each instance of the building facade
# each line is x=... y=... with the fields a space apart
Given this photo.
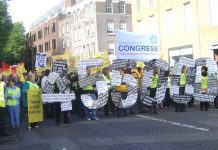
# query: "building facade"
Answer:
x=186 y=27
x=43 y=35
x=88 y=26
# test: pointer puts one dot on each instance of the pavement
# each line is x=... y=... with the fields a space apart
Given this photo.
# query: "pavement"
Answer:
x=190 y=130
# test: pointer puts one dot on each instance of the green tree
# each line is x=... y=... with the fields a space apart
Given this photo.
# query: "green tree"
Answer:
x=14 y=49
x=5 y=26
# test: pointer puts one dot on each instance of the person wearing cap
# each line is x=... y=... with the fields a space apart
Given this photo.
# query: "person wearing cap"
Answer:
x=204 y=87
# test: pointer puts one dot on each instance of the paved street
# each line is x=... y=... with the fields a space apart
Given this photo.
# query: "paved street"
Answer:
x=192 y=130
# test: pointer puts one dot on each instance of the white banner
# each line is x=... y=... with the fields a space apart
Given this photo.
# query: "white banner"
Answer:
x=50 y=98
x=40 y=60
x=131 y=45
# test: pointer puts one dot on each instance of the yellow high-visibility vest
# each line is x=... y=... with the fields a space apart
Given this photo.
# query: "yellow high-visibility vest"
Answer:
x=2 y=96
x=88 y=87
x=154 y=81
x=204 y=82
x=183 y=79
x=12 y=102
x=32 y=85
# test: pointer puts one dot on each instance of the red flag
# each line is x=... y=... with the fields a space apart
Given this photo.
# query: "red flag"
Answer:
x=5 y=67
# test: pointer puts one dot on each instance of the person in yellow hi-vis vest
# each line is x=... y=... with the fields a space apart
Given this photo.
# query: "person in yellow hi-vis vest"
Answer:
x=2 y=108
x=90 y=114
x=107 y=76
x=179 y=107
x=153 y=89
x=204 y=86
x=13 y=102
x=31 y=84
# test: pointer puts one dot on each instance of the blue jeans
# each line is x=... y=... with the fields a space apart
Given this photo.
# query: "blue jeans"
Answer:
x=14 y=112
x=90 y=113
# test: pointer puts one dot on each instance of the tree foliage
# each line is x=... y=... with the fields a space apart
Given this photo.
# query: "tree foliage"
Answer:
x=12 y=37
x=14 y=49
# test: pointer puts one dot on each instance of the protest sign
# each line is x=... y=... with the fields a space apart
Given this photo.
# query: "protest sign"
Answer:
x=117 y=64
x=62 y=83
x=147 y=78
x=48 y=88
x=175 y=79
x=52 y=77
x=189 y=89
x=66 y=106
x=50 y=98
x=130 y=80
x=174 y=89
x=40 y=60
x=34 y=101
x=101 y=87
x=116 y=78
x=181 y=98
x=162 y=64
x=188 y=62
x=60 y=67
x=90 y=62
x=91 y=79
x=160 y=94
x=212 y=84
x=147 y=100
x=203 y=97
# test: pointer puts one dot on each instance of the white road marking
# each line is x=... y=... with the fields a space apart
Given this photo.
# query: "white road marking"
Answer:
x=175 y=123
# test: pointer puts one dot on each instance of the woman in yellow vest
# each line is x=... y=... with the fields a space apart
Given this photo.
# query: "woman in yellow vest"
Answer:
x=13 y=95
x=204 y=86
x=179 y=107
x=153 y=89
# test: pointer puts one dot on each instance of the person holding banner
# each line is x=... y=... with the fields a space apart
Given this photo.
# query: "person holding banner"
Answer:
x=107 y=76
x=204 y=87
x=153 y=89
x=13 y=102
x=90 y=114
x=123 y=89
x=31 y=84
x=180 y=107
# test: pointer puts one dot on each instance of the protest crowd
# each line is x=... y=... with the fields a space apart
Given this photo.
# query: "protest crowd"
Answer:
x=120 y=89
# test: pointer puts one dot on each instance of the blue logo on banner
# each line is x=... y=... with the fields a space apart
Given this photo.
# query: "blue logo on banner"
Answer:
x=153 y=39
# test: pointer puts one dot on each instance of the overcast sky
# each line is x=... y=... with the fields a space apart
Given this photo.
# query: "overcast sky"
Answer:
x=28 y=11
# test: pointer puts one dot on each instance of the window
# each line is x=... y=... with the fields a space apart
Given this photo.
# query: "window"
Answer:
x=68 y=43
x=92 y=29
x=54 y=44
x=48 y=30
x=78 y=14
x=111 y=48
x=139 y=26
x=109 y=6
x=45 y=31
x=93 y=47
x=63 y=44
x=39 y=35
x=152 y=24
x=188 y=16
x=46 y=46
x=63 y=29
x=176 y=53
x=67 y=27
x=170 y=22
x=53 y=28
x=42 y=48
x=49 y=44
x=34 y=37
x=123 y=26
x=138 y=5
x=110 y=28
x=213 y=7
x=151 y=3
x=80 y=34
x=75 y=34
x=122 y=7
x=86 y=10
x=87 y=30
